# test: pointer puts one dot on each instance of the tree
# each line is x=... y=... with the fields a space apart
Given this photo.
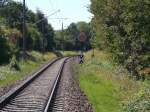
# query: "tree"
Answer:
x=31 y=17
x=39 y=36
x=85 y=28
x=46 y=30
x=50 y=38
x=122 y=27
x=3 y=2
x=71 y=36
x=34 y=38
x=8 y=42
x=12 y=12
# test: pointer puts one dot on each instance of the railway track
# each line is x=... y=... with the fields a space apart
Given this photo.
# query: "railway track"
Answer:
x=35 y=94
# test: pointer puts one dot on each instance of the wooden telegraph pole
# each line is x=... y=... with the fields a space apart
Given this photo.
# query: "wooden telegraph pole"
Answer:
x=24 y=31
x=62 y=31
x=62 y=34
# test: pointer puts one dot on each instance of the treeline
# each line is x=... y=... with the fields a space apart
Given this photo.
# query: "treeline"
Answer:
x=39 y=35
x=122 y=27
x=68 y=39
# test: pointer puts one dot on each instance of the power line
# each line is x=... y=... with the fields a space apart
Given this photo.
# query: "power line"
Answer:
x=59 y=18
x=46 y=17
x=51 y=4
x=33 y=3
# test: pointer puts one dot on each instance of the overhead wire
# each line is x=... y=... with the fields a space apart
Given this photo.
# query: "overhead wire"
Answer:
x=51 y=4
x=47 y=16
x=54 y=6
x=33 y=3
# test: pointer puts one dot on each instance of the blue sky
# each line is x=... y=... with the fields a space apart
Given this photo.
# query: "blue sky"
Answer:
x=74 y=10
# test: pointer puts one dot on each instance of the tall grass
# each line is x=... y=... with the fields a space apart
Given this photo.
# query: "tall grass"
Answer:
x=9 y=76
x=106 y=84
x=69 y=53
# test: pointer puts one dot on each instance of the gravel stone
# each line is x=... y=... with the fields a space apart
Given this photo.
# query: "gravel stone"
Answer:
x=74 y=99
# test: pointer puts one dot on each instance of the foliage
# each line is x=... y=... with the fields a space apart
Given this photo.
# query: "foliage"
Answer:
x=4 y=50
x=8 y=41
x=14 y=63
x=50 y=38
x=101 y=77
x=122 y=27
x=70 y=53
x=12 y=12
x=34 y=38
x=9 y=77
x=3 y=2
x=39 y=33
x=46 y=30
x=140 y=103
x=95 y=82
x=58 y=54
x=69 y=38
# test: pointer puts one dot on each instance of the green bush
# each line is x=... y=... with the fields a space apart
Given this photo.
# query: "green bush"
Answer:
x=4 y=50
x=141 y=103
x=14 y=63
x=34 y=38
x=58 y=54
x=122 y=27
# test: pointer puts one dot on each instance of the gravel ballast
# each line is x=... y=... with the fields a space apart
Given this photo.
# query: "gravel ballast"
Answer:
x=71 y=97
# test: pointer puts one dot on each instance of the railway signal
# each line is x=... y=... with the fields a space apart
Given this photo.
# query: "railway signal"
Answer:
x=82 y=37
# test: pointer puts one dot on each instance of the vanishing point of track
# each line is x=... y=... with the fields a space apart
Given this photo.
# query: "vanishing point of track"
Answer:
x=36 y=93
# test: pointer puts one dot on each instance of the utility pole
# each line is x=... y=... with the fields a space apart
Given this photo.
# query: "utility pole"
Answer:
x=24 y=31
x=41 y=21
x=62 y=36
x=62 y=31
x=43 y=44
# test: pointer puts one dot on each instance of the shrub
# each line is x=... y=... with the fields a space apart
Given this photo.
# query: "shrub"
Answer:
x=14 y=64
x=4 y=50
x=8 y=41
x=34 y=38
x=141 y=102
x=58 y=54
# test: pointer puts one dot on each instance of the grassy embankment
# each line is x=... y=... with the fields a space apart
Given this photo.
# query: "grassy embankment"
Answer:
x=9 y=76
x=106 y=84
x=69 y=53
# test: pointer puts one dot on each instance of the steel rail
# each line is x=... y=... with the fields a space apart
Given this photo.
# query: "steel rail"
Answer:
x=4 y=100
x=55 y=87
